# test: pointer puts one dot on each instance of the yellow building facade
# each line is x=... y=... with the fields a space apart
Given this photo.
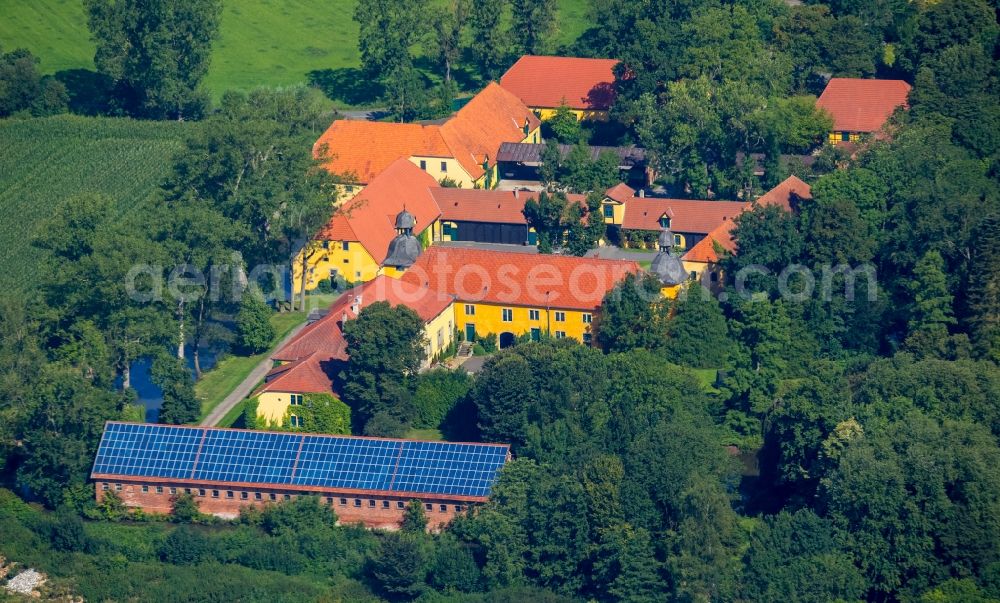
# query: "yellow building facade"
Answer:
x=839 y=137
x=272 y=407
x=477 y=319
x=547 y=113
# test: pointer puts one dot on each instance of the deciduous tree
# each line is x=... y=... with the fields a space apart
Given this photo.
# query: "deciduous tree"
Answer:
x=386 y=346
x=156 y=52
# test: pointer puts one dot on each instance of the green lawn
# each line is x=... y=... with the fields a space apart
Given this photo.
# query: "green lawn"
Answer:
x=261 y=42
x=216 y=384
x=233 y=415
x=706 y=377
x=433 y=435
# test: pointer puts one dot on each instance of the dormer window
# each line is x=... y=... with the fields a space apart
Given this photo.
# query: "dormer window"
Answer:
x=664 y=221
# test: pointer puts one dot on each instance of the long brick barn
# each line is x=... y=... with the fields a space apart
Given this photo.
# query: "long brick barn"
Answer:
x=365 y=480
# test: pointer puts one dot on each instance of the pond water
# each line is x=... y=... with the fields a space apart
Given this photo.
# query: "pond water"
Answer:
x=150 y=396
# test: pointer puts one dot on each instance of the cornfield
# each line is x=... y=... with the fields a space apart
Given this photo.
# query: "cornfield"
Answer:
x=45 y=161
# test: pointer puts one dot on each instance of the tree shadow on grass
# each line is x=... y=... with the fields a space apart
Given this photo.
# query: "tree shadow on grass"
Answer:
x=90 y=93
x=348 y=85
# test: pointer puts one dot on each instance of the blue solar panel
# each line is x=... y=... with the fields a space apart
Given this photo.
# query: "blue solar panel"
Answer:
x=147 y=450
x=359 y=463
x=258 y=457
x=248 y=456
x=443 y=468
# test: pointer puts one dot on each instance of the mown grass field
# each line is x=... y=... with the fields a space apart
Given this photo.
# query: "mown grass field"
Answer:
x=43 y=162
x=261 y=42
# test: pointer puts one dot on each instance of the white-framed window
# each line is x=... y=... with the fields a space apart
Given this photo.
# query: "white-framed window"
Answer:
x=507 y=314
x=159 y=489
x=296 y=400
x=560 y=317
x=105 y=487
x=294 y=421
x=145 y=488
x=560 y=334
x=588 y=318
x=533 y=315
x=470 y=310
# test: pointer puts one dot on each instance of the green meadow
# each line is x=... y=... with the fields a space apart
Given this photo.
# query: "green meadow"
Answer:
x=261 y=43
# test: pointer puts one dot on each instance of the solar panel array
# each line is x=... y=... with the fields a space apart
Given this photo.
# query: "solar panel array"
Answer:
x=335 y=462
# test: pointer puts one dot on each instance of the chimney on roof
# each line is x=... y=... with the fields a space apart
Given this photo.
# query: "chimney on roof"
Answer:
x=642 y=193
x=356 y=306
x=515 y=193
x=343 y=318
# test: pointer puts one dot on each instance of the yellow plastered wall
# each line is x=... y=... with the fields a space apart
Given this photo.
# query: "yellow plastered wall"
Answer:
x=439 y=230
x=452 y=169
x=354 y=264
x=838 y=137
x=272 y=406
x=346 y=192
x=619 y=211
x=703 y=273
x=488 y=318
x=440 y=332
x=545 y=113
x=671 y=291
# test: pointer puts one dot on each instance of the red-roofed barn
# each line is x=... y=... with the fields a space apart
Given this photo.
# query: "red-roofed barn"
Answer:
x=586 y=86
x=860 y=106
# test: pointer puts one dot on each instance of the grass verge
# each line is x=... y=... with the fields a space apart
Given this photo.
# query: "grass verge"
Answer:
x=215 y=385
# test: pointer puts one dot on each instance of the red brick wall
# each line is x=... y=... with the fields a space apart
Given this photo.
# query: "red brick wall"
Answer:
x=377 y=516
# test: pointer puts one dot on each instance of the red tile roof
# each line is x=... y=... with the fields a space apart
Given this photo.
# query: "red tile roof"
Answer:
x=322 y=337
x=427 y=303
x=325 y=338
x=704 y=250
x=498 y=207
x=307 y=375
x=620 y=192
x=366 y=148
x=493 y=117
x=858 y=105
x=519 y=279
x=471 y=136
x=643 y=213
x=370 y=217
x=785 y=195
x=583 y=84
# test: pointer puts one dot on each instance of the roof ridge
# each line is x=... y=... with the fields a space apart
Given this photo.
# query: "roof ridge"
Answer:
x=315 y=435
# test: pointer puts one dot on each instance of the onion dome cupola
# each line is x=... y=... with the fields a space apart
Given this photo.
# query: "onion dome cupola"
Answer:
x=404 y=249
x=405 y=222
x=666 y=266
